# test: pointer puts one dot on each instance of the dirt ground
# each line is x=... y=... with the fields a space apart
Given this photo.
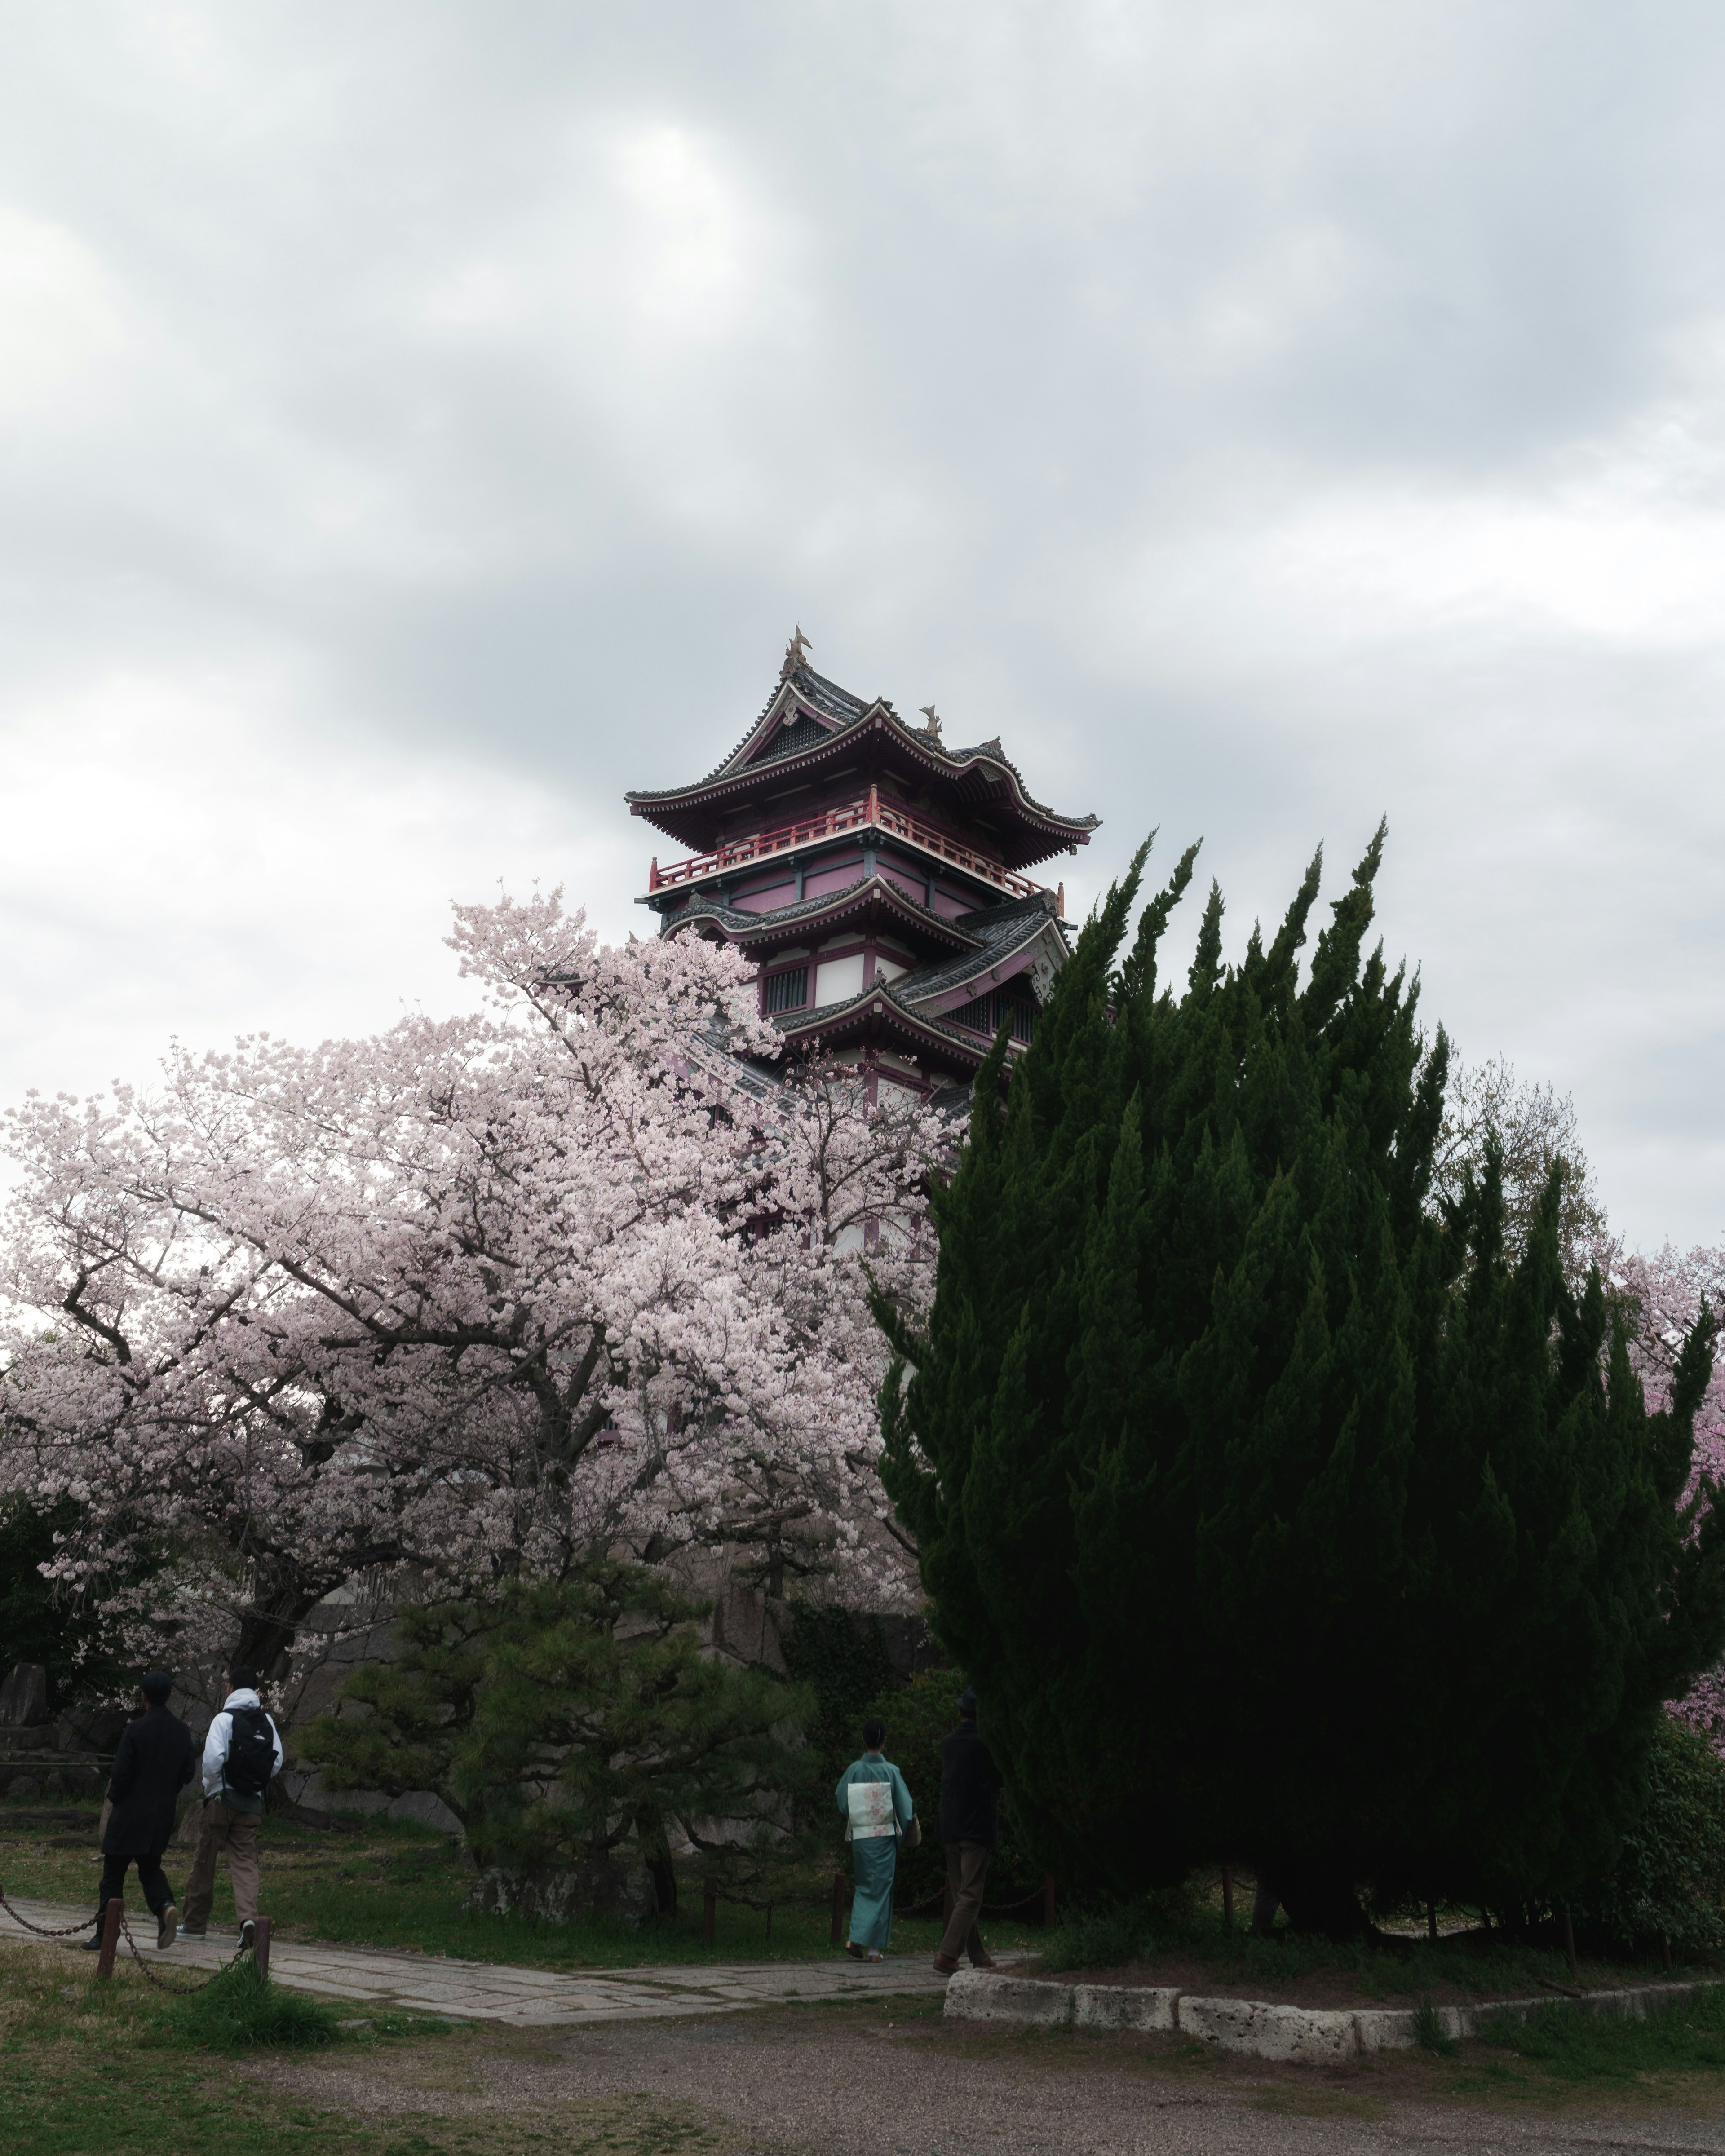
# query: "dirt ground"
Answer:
x=895 y=2080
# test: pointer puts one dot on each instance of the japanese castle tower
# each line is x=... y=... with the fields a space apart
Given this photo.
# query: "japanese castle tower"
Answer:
x=874 y=876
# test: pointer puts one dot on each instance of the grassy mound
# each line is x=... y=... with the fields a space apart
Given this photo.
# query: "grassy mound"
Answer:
x=241 y=2010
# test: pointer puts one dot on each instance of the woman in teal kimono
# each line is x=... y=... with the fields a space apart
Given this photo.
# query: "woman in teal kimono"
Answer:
x=876 y=1807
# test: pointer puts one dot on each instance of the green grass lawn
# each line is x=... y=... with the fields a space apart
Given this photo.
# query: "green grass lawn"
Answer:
x=392 y=1884
x=114 y=2069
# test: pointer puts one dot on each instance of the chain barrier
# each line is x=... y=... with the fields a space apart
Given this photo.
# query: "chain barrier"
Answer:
x=180 y=1990
x=42 y=1931
x=86 y=1923
x=991 y=1910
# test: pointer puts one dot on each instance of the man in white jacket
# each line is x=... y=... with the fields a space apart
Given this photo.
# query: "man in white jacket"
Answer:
x=241 y=1752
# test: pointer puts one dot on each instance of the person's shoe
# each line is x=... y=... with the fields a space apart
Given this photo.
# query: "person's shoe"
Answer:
x=92 y=1946
x=984 y=1961
x=192 y=1931
x=856 y=1952
x=247 y=1932
x=946 y=1967
x=167 y=1925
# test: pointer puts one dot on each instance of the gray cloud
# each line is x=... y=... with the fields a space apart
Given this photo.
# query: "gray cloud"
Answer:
x=422 y=422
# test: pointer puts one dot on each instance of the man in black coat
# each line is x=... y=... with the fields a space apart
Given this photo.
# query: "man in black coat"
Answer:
x=156 y=1760
x=970 y=1785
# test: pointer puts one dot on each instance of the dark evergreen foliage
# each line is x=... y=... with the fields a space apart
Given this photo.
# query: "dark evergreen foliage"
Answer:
x=43 y=1620
x=1276 y=1517
x=842 y=1657
x=573 y=1719
x=1667 y=1887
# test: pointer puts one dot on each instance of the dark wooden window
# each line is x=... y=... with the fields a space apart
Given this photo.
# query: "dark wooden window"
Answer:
x=989 y=1013
x=787 y=991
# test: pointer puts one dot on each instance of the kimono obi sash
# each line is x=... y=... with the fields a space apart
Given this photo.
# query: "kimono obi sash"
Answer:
x=872 y=1810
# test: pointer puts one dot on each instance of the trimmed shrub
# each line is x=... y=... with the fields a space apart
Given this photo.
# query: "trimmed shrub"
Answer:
x=1668 y=1884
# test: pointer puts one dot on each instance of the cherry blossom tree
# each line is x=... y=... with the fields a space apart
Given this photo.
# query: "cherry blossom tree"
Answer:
x=1665 y=1291
x=579 y=1273
x=1536 y=1130
x=1660 y=1294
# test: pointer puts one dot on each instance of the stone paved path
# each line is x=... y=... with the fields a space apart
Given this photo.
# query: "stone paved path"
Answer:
x=530 y=1998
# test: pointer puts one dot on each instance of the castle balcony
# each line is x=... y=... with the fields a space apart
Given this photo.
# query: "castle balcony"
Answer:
x=871 y=812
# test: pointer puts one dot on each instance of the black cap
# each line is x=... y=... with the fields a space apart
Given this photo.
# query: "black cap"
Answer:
x=967 y=1703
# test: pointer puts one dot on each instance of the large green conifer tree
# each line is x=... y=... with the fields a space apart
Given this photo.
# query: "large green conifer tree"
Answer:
x=1276 y=1517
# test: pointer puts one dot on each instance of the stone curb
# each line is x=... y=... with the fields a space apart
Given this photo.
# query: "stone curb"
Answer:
x=1303 y=2036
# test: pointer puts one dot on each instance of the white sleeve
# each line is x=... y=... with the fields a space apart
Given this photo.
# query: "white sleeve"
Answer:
x=215 y=1752
x=279 y=1755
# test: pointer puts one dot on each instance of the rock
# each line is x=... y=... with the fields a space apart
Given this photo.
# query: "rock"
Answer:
x=24 y=1786
x=426 y=1808
x=1306 y=2036
x=979 y=1994
x=624 y=1893
x=23 y=1696
x=1122 y=2006
x=89 y=1728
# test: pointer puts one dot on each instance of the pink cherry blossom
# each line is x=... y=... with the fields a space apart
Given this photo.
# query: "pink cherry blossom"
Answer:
x=569 y=1273
x=1668 y=1291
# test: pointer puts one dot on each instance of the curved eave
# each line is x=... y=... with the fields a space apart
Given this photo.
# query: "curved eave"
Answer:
x=993 y=969
x=876 y=897
x=686 y=813
x=877 y=1014
x=822 y=700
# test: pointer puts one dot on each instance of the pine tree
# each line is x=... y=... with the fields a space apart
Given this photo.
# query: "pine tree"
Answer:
x=1275 y=1517
x=577 y=1721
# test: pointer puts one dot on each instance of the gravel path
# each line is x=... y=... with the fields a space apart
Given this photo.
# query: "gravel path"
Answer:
x=895 y=2080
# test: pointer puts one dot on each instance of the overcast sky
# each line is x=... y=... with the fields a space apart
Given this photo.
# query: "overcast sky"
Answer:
x=423 y=421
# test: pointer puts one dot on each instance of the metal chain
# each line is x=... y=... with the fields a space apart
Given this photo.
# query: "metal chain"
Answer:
x=85 y=1923
x=161 y=1984
x=64 y=1931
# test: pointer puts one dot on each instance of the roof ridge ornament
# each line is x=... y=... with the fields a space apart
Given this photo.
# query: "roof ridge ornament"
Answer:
x=794 y=653
x=933 y=728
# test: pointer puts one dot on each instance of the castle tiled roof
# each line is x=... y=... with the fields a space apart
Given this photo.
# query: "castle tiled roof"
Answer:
x=751 y=926
x=834 y=715
x=1002 y=931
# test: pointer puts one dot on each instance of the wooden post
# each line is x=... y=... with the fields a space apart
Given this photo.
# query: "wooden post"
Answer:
x=1431 y=1921
x=1048 y=1900
x=709 y=1914
x=838 y=1908
x=1569 y=1945
x=1228 y=1898
x=260 y=1946
x=110 y=1937
x=1665 y=1947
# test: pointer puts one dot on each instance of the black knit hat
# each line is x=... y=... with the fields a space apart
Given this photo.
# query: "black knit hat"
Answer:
x=967 y=1703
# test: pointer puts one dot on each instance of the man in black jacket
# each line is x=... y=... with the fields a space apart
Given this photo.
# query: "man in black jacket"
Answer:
x=970 y=1783
x=155 y=1762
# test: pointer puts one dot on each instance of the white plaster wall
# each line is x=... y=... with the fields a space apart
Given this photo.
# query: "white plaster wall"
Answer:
x=837 y=978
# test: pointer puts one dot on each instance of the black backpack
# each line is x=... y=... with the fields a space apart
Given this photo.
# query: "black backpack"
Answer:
x=251 y=1753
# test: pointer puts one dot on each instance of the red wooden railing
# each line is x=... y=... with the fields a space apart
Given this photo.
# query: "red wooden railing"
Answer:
x=870 y=812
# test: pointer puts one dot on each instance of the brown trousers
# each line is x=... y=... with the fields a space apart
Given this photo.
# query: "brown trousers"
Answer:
x=220 y=1828
x=967 y=1873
